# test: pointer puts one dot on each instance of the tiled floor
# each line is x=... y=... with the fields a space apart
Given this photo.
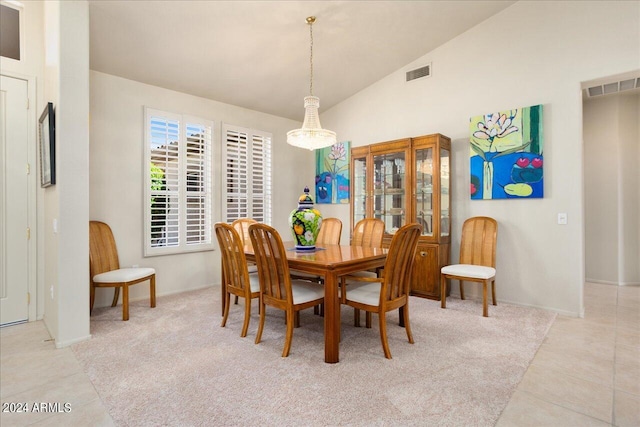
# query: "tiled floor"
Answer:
x=586 y=373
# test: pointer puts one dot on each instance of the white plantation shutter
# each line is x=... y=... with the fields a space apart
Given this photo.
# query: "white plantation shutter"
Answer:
x=178 y=183
x=247 y=174
x=261 y=178
x=198 y=185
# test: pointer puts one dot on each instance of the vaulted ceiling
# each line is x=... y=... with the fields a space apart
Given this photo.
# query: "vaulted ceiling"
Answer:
x=255 y=54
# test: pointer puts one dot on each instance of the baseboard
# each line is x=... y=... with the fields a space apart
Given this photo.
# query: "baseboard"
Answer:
x=601 y=282
x=62 y=344
x=163 y=294
x=607 y=282
x=554 y=310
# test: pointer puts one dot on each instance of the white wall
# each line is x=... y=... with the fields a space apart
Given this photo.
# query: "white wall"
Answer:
x=612 y=195
x=531 y=53
x=601 y=166
x=629 y=232
x=116 y=174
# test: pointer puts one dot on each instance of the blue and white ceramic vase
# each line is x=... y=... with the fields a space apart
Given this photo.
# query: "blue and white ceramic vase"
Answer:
x=305 y=223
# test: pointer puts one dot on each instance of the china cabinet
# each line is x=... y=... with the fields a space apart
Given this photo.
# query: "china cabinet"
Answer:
x=407 y=181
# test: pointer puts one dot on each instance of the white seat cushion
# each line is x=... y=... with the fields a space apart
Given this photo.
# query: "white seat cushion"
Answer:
x=468 y=270
x=254 y=282
x=252 y=268
x=304 y=291
x=365 y=293
x=123 y=275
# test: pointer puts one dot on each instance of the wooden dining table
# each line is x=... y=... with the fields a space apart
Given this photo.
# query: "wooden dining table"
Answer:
x=330 y=262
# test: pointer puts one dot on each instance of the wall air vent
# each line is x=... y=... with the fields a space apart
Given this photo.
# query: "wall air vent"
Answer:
x=626 y=82
x=419 y=73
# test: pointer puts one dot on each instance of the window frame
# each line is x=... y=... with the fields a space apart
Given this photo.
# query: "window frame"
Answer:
x=183 y=184
x=267 y=156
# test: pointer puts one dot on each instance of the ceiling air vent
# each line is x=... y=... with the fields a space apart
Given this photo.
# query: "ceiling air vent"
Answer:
x=419 y=73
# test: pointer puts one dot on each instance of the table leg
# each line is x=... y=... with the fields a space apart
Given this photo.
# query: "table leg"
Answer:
x=331 y=319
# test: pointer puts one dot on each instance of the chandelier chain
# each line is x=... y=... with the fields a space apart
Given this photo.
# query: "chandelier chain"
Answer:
x=311 y=59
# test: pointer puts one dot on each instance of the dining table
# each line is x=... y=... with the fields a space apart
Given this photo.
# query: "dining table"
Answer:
x=330 y=262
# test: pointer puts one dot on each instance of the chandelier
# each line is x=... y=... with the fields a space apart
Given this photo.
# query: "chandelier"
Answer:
x=311 y=135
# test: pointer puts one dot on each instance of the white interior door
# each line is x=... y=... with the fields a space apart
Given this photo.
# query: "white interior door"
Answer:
x=14 y=201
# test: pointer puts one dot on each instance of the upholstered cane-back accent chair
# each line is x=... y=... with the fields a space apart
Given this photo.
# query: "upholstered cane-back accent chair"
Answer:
x=477 y=260
x=105 y=271
x=277 y=289
x=382 y=294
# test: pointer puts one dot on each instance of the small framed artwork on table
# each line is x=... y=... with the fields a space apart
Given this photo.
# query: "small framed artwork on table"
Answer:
x=47 y=131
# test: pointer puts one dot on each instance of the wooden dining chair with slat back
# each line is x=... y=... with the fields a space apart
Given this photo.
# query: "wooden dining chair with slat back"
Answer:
x=367 y=232
x=477 y=260
x=330 y=232
x=234 y=265
x=383 y=294
x=277 y=289
x=105 y=271
x=241 y=225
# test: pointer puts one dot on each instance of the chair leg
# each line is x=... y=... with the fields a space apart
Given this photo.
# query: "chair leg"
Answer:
x=225 y=313
x=443 y=291
x=92 y=297
x=236 y=300
x=485 y=309
x=493 y=291
x=125 y=302
x=316 y=309
x=461 y=289
x=407 y=326
x=383 y=334
x=289 y=336
x=356 y=317
x=116 y=295
x=247 y=316
x=152 y=290
x=367 y=316
x=296 y=319
x=261 y=324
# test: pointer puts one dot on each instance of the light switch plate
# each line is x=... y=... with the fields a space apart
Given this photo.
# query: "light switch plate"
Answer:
x=562 y=218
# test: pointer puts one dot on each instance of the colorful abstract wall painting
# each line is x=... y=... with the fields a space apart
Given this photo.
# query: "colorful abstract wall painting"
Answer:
x=332 y=174
x=506 y=154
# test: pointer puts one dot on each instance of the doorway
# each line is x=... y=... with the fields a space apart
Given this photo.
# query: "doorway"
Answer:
x=17 y=261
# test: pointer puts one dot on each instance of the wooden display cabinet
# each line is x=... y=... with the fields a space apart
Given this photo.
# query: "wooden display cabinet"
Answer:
x=407 y=181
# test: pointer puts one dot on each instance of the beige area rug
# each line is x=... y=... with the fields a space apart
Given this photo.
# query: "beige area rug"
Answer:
x=175 y=366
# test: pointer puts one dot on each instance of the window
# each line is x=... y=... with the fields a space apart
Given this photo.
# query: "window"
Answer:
x=178 y=183
x=247 y=172
x=10 y=30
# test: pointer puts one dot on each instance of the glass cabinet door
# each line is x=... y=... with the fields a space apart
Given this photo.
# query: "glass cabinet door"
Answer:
x=424 y=189
x=445 y=198
x=389 y=198
x=359 y=188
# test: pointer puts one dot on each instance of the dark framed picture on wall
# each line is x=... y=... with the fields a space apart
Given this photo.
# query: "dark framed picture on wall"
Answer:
x=47 y=132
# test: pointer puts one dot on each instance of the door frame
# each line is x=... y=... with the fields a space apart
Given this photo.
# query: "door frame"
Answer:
x=35 y=199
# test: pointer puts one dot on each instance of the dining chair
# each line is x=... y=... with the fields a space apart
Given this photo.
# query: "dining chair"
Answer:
x=242 y=227
x=391 y=291
x=277 y=289
x=329 y=234
x=367 y=232
x=105 y=271
x=234 y=265
x=477 y=260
